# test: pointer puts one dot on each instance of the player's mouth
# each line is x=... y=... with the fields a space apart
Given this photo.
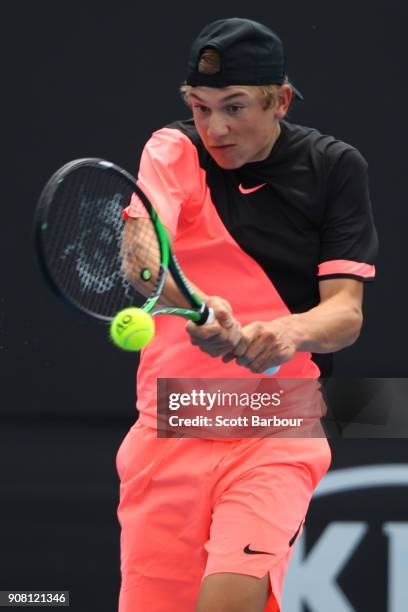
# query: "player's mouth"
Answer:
x=222 y=147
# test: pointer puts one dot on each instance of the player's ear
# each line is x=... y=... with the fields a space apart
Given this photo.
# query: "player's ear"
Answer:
x=284 y=99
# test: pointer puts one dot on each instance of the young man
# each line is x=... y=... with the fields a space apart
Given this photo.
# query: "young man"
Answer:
x=276 y=219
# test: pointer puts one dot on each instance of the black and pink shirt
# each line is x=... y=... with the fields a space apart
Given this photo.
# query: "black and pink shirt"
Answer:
x=261 y=236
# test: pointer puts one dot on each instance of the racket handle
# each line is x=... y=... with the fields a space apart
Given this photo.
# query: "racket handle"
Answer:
x=272 y=371
x=207 y=316
x=210 y=317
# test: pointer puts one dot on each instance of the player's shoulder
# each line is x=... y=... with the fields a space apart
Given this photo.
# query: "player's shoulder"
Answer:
x=178 y=138
x=185 y=127
x=326 y=148
x=176 y=132
x=172 y=143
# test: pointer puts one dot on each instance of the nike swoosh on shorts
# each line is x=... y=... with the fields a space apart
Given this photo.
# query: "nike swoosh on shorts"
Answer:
x=249 y=551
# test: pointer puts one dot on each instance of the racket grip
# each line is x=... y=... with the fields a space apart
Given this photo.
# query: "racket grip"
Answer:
x=207 y=316
x=210 y=317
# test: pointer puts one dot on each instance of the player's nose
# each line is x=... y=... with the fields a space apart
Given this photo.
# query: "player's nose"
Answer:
x=217 y=126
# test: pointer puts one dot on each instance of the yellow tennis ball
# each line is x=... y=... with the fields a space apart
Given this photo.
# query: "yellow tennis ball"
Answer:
x=131 y=329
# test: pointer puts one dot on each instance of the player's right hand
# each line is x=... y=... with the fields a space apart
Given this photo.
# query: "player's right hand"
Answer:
x=218 y=338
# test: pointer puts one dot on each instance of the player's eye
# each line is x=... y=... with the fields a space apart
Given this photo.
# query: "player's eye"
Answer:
x=200 y=108
x=234 y=109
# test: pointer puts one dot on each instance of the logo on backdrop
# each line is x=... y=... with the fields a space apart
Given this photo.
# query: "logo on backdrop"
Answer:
x=313 y=575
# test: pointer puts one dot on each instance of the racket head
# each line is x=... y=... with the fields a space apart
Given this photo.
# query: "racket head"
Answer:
x=78 y=231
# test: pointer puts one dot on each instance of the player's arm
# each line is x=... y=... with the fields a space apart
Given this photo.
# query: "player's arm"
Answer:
x=136 y=259
x=336 y=322
x=328 y=327
x=348 y=245
x=168 y=175
x=216 y=339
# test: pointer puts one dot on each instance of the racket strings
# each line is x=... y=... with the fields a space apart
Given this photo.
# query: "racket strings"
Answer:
x=63 y=243
x=83 y=243
x=90 y=264
x=104 y=272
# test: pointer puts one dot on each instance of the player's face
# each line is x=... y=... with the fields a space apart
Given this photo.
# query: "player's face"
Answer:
x=233 y=125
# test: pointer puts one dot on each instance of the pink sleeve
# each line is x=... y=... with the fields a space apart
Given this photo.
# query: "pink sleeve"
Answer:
x=169 y=175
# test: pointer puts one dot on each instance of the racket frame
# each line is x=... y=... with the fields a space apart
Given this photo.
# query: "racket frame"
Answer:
x=199 y=312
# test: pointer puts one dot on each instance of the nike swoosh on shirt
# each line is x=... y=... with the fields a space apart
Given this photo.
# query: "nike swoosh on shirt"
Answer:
x=249 y=551
x=250 y=189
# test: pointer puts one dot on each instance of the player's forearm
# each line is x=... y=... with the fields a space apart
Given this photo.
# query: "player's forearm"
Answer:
x=329 y=327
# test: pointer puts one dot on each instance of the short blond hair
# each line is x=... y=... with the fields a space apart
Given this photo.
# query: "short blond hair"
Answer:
x=209 y=63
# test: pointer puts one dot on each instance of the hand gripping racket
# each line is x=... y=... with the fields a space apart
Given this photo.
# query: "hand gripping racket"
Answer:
x=98 y=263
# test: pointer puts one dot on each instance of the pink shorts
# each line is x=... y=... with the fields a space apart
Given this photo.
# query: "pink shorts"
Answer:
x=193 y=507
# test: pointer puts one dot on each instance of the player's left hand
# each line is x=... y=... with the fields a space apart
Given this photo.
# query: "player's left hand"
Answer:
x=264 y=345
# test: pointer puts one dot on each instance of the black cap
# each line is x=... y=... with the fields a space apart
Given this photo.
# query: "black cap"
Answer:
x=250 y=54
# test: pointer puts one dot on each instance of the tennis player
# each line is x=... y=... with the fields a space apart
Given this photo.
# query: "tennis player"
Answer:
x=276 y=219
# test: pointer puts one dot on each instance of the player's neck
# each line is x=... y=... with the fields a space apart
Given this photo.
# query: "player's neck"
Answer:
x=275 y=136
x=276 y=132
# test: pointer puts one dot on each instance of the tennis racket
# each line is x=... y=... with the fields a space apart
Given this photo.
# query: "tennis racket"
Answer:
x=95 y=261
